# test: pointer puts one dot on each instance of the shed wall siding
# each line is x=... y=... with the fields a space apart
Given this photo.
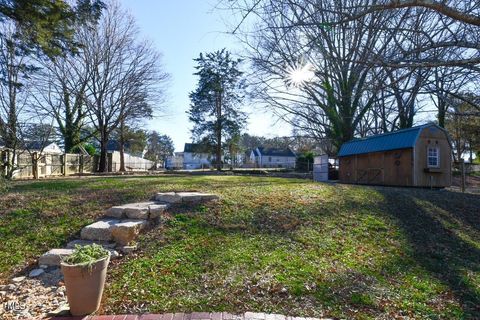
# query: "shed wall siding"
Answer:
x=433 y=137
x=388 y=168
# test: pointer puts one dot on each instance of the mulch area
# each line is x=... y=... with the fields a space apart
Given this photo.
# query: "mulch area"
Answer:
x=473 y=183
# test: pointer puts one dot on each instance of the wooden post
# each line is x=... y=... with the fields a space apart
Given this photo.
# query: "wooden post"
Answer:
x=462 y=168
x=35 y=165
x=3 y=155
x=7 y=163
x=80 y=165
x=64 y=164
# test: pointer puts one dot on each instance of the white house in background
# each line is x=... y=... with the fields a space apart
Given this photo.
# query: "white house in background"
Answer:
x=46 y=147
x=175 y=161
x=196 y=157
x=273 y=158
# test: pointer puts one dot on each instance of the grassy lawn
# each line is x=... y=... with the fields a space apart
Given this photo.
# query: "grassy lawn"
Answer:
x=271 y=244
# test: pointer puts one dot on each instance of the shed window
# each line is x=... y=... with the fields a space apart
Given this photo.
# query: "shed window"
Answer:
x=433 y=157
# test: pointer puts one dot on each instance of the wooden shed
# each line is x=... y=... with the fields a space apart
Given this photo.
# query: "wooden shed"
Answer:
x=419 y=157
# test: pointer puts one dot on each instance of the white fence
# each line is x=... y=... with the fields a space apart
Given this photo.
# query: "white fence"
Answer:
x=26 y=164
x=132 y=163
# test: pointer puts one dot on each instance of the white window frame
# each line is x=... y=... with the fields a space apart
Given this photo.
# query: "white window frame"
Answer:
x=433 y=156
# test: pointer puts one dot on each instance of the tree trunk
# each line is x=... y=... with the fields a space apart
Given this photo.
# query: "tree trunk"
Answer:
x=441 y=113
x=102 y=167
x=122 y=146
x=35 y=165
x=11 y=141
x=70 y=140
x=11 y=163
x=218 y=151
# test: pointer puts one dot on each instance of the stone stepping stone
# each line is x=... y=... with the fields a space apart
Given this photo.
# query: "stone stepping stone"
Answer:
x=185 y=197
x=168 y=197
x=126 y=231
x=139 y=210
x=54 y=256
x=157 y=209
x=196 y=196
x=123 y=231
x=102 y=229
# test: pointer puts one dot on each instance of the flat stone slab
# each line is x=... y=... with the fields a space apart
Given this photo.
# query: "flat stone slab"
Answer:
x=79 y=242
x=54 y=257
x=138 y=210
x=115 y=212
x=185 y=197
x=131 y=223
x=126 y=231
x=196 y=196
x=168 y=197
x=156 y=210
x=100 y=230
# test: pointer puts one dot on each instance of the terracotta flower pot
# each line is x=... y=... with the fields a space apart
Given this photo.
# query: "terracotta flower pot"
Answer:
x=84 y=284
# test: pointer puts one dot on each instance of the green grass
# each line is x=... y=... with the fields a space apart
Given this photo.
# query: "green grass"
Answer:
x=270 y=244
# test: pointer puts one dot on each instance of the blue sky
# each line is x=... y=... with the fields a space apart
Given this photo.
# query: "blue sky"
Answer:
x=180 y=30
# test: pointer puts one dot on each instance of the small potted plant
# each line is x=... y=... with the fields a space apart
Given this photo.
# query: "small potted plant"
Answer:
x=84 y=272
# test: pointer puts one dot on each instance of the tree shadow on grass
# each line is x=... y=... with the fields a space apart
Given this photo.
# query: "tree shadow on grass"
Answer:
x=437 y=248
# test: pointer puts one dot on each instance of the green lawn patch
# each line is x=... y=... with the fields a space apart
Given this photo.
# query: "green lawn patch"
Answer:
x=270 y=244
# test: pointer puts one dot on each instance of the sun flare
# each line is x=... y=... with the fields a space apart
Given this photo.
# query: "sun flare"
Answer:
x=300 y=74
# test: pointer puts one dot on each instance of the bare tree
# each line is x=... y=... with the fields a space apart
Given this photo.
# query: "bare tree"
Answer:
x=456 y=21
x=60 y=92
x=318 y=77
x=354 y=71
x=462 y=11
x=14 y=88
x=124 y=74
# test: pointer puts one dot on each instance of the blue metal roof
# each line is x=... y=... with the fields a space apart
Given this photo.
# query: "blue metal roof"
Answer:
x=275 y=152
x=401 y=139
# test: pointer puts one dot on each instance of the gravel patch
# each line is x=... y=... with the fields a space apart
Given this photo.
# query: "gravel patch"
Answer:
x=33 y=297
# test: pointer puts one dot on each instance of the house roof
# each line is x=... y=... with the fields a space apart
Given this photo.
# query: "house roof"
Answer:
x=276 y=152
x=195 y=148
x=114 y=145
x=400 y=139
x=38 y=144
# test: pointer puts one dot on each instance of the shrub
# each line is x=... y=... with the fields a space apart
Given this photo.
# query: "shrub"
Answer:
x=305 y=162
x=91 y=150
x=86 y=254
x=4 y=184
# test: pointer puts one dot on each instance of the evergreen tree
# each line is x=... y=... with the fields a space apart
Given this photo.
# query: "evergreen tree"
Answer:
x=215 y=104
x=49 y=25
x=159 y=147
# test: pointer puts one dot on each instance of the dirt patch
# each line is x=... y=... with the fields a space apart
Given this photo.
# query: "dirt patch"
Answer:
x=473 y=183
